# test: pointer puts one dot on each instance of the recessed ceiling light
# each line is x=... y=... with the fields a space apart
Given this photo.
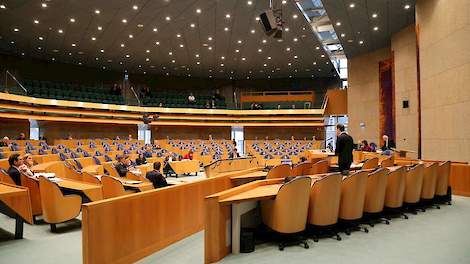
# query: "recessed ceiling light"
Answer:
x=352 y=5
x=41 y=38
x=221 y=65
x=16 y=30
x=226 y=29
x=157 y=43
x=178 y=35
x=124 y=21
x=265 y=65
x=140 y=25
x=407 y=6
x=170 y=53
x=131 y=36
x=237 y=51
x=147 y=59
x=294 y=16
x=97 y=11
x=74 y=45
x=260 y=50
x=284 y=2
x=198 y=62
x=72 y=20
x=239 y=42
x=210 y=48
x=253 y=31
x=60 y=31
x=127 y=55
x=192 y=25
x=227 y=15
x=374 y=15
x=295 y=57
x=323 y=56
x=173 y=61
x=317 y=48
x=361 y=42
x=123 y=45
x=36 y=21
x=167 y=18
x=44 y=5
x=100 y=28
x=147 y=51
x=343 y=35
x=39 y=48
x=264 y=41
x=257 y=18
x=286 y=29
x=295 y=39
x=338 y=23
x=197 y=55
x=102 y=50
x=314 y=63
x=198 y=11
x=243 y=58
x=287 y=49
x=135 y=7
x=376 y=28
x=155 y=29
x=181 y=45
x=269 y=58
x=289 y=64
x=249 y=2
x=222 y=58
x=209 y=38
x=2 y=7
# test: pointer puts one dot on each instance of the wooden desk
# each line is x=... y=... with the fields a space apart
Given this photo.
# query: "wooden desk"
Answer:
x=248 y=177
x=43 y=166
x=262 y=192
x=15 y=202
x=143 y=186
x=185 y=166
x=92 y=191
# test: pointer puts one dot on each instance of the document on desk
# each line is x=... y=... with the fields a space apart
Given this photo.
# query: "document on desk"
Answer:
x=45 y=174
x=56 y=180
x=132 y=182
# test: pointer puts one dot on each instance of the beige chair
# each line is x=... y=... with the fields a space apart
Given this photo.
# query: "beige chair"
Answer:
x=353 y=194
x=395 y=193
x=112 y=187
x=388 y=162
x=443 y=194
x=301 y=169
x=279 y=171
x=319 y=167
x=375 y=197
x=87 y=177
x=371 y=163
x=4 y=177
x=413 y=187
x=56 y=207
x=324 y=206
x=429 y=184
x=34 y=194
x=281 y=216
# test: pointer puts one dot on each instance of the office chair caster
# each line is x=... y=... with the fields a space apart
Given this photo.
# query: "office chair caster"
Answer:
x=449 y=203
x=405 y=216
x=366 y=230
x=438 y=207
x=281 y=247
x=315 y=239
x=423 y=210
x=387 y=222
x=347 y=232
x=306 y=245
x=338 y=238
x=371 y=224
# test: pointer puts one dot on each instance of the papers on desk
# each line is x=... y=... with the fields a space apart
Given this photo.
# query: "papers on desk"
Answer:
x=44 y=174
x=137 y=172
x=56 y=180
x=132 y=182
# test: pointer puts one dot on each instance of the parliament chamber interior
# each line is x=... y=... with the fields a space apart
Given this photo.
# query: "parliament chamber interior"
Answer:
x=234 y=131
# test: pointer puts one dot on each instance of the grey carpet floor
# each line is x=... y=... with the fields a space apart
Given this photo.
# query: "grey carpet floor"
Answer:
x=436 y=236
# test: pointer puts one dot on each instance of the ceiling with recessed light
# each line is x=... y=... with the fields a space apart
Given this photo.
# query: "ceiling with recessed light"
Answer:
x=199 y=38
x=366 y=25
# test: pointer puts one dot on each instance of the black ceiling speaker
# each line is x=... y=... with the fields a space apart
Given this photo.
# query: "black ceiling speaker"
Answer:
x=269 y=21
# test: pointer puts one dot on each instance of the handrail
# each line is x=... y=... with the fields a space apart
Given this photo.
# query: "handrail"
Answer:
x=325 y=102
x=135 y=94
x=14 y=78
x=263 y=93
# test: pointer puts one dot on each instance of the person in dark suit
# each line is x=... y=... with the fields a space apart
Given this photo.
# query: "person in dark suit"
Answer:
x=141 y=160
x=388 y=143
x=344 y=149
x=15 y=162
x=157 y=179
x=121 y=166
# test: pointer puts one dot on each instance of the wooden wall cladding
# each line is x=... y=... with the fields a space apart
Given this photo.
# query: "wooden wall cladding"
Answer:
x=190 y=132
x=284 y=132
x=13 y=127
x=460 y=179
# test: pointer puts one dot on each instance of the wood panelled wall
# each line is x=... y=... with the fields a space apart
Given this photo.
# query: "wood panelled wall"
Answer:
x=61 y=130
x=284 y=132
x=12 y=128
x=190 y=132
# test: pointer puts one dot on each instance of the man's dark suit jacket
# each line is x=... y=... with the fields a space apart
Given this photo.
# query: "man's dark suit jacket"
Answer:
x=156 y=178
x=121 y=169
x=344 y=149
x=15 y=175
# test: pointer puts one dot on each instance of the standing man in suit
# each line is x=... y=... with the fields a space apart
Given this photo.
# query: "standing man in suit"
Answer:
x=157 y=179
x=344 y=149
x=15 y=162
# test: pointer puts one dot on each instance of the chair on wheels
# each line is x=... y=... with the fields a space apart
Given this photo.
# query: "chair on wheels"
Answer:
x=323 y=209
x=429 y=186
x=285 y=219
x=319 y=167
x=375 y=197
x=413 y=187
x=56 y=207
x=112 y=187
x=279 y=171
x=371 y=163
x=395 y=193
x=353 y=194
x=443 y=191
x=388 y=162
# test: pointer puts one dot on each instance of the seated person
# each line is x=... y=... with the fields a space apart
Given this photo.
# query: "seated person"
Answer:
x=129 y=137
x=154 y=176
x=21 y=137
x=15 y=162
x=365 y=146
x=121 y=166
x=28 y=163
x=191 y=99
x=388 y=143
x=141 y=159
x=148 y=152
x=4 y=142
x=166 y=165
x=189 y=155
x=233 y=154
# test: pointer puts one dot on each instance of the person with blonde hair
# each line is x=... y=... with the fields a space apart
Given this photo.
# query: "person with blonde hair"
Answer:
x=28 y=163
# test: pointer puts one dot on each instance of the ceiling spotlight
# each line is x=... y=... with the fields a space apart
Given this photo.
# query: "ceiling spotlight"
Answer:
x=173 y=61
x=167 y=18
x=197 y=55
x=44 y=5
x=209 y=38
x=124 y=21
x=361 y=42
x=260 y=50
x=36 y=21
x=157 y=43
x=147 y=51
x=295 y=57
x=343 y=35
x=128 y=56
x=226 y=29
x=140 y=25
x=317 y=48
x=97 y=11
x=16 y=30
x=72 y=20
x=147 y=59
x=407 y=6
x=135 y=7
x=289 y=64
x=249 y=2
x=287 y=49
x=284 y=2
x=100 y=28
x=376 y=28
x=3 y=6
x=198 y=62
x=60 y=31
x=222 y=58
x=314 y=63
x=198 y=10
x=237 y=51
x=286 y=29
x=210 y=48
x=252 y=31
x=338 y=23
x=239 y=42
x=352 y=5
x=265 y=65
x=74 y=45
x=295 y=39
x=170 y=53
x=155 y=29
x=178 y=35
x=323 y=56
x=221 y=65
x=227 y=15
x=269 y=58
x=264 y=41
x=181 y=45
x=41 y=38
x=374 y=15
x=131 y=36
x=294 y=16
x=102 y=51
x=257 y=18
x=122 y=45
x=192 y=25
x=243 y=59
